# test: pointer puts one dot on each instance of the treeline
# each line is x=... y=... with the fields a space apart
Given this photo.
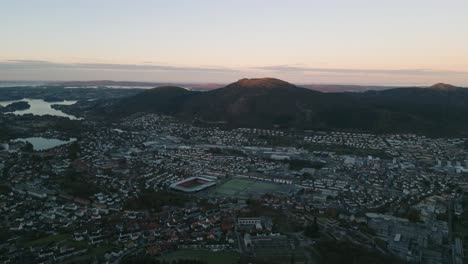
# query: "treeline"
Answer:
x=299 y=164
x=32 y=124
x=15 y=106
x=77 y=184
x=226 y=152
x=151 y=260
x=338 y=252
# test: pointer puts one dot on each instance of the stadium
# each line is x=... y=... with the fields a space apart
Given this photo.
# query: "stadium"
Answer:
x=192 y=184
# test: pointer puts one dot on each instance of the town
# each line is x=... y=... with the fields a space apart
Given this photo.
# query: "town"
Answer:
x=153 y=186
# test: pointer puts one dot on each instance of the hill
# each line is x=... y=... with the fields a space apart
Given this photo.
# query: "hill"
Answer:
x=21 y=105
x=336 y=88
x=258 y=102
x=269 y=102
x=164 y=100
x=444 y=87
x=132 y=84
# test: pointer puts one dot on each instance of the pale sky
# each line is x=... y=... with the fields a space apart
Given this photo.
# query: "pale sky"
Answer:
x=398 y=42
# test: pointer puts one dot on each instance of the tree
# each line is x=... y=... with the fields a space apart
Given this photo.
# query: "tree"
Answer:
x=76 y=184
x=414 y=215
x=152 y=260
x=152 y=200
x=337 y=252
x=4 y=189
x=28 y=147
x=312 y=230
x=73 y=150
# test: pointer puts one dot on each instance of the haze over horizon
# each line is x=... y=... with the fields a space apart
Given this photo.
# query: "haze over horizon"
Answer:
x=334 y=42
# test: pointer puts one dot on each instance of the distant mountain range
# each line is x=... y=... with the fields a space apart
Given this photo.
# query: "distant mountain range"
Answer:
x=336 y=88
x=129 y=84
x=329 y=88
x=108 y=83
x=211 y=86
x=437 y=110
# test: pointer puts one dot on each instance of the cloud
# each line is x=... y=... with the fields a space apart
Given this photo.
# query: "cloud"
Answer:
x=147 y=66
x=23 y=69
x=37 y=64
x=28 y=61
x=294 y=68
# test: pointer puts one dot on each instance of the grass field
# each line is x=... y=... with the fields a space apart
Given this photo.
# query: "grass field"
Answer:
x=265 y=187
x=203 y=255
x=227 y=192
x=237 y=184
x=245 y=187
x=234 y=187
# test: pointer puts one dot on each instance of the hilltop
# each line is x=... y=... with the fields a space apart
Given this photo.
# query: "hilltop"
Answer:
x=444 y=87
x=259 y=83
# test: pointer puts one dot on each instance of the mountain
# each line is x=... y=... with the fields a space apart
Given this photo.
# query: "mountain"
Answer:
x=260 y=83
x=130 y=84
x=164 y=99
x=103 y=83
x=444 y=87
x=257 y=102
x=205 y=86
x=269 y=102
x=336 y=88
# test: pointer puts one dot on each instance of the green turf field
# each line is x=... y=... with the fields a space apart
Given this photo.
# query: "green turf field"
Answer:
x=226 y=192
x=266 y=187
x=246 y=187
x=237 y=184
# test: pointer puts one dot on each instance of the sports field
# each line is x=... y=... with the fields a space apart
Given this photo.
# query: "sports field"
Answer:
x=192 y=184
x=247 y=187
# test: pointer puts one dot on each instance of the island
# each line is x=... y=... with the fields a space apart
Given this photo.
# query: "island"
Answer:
x=16 y=106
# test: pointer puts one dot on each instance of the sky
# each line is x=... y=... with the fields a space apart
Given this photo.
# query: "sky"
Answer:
x=398 y=42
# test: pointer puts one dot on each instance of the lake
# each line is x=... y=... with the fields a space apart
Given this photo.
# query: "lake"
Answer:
x=40 y=143
x=40 y=107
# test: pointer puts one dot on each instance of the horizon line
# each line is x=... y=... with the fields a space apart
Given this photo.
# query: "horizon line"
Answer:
x=51 y=82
